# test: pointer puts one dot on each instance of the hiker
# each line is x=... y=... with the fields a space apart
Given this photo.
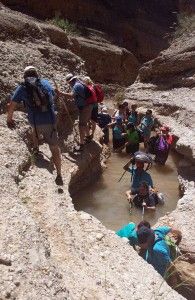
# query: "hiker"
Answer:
x=85 y=98
x=163 y=144
x=126 y=109
x=132 y=144
x=94 y=114
x=144 y=198
x=138 y=174
x=120 y=112
x=133 y=115
x=129 y=231
x=104 y=119
x=145 y=127
x=157 y=249
x=118 y=134
x=37 y=94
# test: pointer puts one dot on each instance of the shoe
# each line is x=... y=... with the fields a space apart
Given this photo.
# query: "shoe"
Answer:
x=89 y=138
x=59 y=180
x=35 y=151
x=79 y=148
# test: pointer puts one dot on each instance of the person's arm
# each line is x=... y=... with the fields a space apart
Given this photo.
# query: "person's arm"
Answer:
x=153 y=208
x=126 y=167
x=11 y=107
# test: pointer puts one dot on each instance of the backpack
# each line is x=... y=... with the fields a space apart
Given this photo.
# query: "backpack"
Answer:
x=99 y=93
x=161 y=144
x=173 y=248
x=90 y=95
x=39 y=97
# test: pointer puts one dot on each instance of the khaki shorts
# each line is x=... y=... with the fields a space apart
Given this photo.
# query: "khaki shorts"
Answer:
x=49 y=133
x=85 y=115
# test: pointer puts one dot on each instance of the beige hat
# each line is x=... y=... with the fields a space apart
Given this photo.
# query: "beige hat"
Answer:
x=70 y=77
x=30 y=68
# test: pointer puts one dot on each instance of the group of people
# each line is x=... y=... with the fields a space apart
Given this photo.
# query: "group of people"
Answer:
x=128 y=129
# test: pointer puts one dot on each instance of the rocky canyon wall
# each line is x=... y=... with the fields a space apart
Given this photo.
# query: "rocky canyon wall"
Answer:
x=139 y=26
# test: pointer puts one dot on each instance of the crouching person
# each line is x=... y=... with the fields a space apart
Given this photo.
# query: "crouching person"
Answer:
x=157 y=251
x=38 y=97
x=145 y=198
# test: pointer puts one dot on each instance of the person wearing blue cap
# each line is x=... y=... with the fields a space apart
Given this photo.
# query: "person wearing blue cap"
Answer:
x=118 y=134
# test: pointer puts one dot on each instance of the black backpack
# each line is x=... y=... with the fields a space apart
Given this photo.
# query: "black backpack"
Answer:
x=39 y=100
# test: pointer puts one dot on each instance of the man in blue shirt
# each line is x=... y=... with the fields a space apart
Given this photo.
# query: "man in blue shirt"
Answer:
x=37 y=96
x=138 y=176
x=79 y=92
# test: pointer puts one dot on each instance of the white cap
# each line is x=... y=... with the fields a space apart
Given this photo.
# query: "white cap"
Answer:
x=30 y=68
x=70 y=77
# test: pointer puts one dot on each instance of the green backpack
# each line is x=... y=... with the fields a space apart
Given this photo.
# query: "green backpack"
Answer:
x=174 y=249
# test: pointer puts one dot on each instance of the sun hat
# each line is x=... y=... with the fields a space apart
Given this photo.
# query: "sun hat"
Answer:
x=104 y=109
x=70 y=77
x=30 y=68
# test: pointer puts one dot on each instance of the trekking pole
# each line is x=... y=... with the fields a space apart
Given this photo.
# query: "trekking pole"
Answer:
x=66 y=108
x=123 y=172
x=122 y=176
x=143 y=210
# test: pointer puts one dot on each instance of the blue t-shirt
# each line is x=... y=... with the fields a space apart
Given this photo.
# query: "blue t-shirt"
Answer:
x=117 y=133
x=79 y=93
x=138 y=177
x=21 y=94
x=146 y=125
x=133 y=118
x=129 y=231
x=159 y=254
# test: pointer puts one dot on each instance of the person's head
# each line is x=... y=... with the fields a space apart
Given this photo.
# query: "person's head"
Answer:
x=139 y=164
x=149 y=112
x=130 y=126
x=143 y=189
x=70 y=79
x=146 y=237
x=143 y=223
x=133 y=107
x=118 y=120
x=30 y=71
x=125 y=103
x=120 y=107
x=87 y=80
x=164 y=129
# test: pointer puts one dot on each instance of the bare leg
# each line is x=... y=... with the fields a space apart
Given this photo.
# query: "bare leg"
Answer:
x=56 y=155
x=93 y=127
x=82 y=132
x=34 y=138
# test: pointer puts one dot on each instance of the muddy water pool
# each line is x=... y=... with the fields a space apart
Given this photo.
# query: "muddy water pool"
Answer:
x=106 y=200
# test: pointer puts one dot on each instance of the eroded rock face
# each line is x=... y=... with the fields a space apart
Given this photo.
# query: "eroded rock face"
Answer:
x=138 y=26
x=47 y=248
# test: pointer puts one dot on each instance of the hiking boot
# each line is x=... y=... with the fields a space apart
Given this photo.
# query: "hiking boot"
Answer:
x=59 y=180
x=89 y=138
x=79 y=148
x=35 y=151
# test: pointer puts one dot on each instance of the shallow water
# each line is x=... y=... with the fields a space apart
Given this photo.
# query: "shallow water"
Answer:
x=106 y=198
